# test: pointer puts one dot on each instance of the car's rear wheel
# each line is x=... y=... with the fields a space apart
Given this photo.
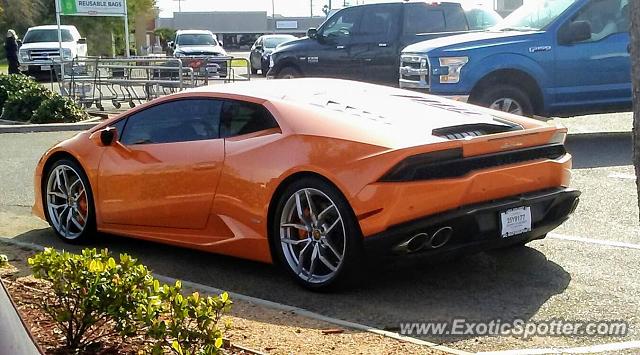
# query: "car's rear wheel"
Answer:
x=507 y=98
x=254 y=71
x=68 y=202
x=316 y=237
x=289 y=73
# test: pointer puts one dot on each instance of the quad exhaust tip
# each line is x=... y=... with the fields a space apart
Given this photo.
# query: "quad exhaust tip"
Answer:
x=422 y=240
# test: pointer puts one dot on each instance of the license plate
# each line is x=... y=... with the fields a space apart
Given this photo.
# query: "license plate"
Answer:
x=515 y=221
x=45 y=67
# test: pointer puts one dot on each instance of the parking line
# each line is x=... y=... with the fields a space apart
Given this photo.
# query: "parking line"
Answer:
x=578 y=350
x=610 y=243
x=281 y=307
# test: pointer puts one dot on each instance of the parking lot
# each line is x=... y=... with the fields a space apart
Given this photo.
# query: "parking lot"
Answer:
x=585 y=271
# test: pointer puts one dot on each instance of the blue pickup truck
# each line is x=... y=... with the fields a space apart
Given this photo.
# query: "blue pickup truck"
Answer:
x=549 y=57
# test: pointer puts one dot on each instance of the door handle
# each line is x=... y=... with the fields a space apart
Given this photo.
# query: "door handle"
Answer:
x=382 y=44
x=339 y=47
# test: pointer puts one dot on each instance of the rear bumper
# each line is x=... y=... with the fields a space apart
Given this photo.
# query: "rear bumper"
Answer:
x=477 y=227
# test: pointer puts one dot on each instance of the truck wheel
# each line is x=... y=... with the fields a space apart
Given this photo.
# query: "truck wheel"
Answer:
x=507 y=98
x=254 y=71
x=289 y=73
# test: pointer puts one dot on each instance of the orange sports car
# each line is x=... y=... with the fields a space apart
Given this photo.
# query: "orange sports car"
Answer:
x=313 y=173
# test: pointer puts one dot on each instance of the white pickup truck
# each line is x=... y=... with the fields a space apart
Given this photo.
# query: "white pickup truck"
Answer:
x=40 y=46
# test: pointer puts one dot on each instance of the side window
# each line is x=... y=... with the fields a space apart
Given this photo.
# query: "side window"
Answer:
x=244 y=117
x=455 y=18
x=380 y=20
x=420 y=18
x=174 y=121
x=342 y=23
x=606 y=17
x=119 y=126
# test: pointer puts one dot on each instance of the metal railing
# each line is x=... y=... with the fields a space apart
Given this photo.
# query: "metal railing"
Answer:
x=97 y=81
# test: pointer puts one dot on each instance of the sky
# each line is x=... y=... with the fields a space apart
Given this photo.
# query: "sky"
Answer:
x=283 y=7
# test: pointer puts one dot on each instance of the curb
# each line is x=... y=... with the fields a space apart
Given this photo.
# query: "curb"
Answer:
x=281 y=307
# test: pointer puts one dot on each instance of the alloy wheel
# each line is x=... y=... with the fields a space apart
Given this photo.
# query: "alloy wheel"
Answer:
x=506 y=104
x=312 y=235
x=67 y=202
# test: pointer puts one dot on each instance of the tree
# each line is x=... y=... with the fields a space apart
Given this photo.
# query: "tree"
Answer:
x=635 y=75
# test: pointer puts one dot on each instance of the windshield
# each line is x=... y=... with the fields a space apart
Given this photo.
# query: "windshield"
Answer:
x=272 y=42
x=38 y=36
x=199 y=39
x=534 y=15
x=479 y=19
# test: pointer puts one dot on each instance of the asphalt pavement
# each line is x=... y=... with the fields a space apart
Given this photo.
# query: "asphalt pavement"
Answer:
x=552 y=278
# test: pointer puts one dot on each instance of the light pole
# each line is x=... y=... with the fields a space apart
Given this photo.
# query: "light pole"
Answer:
x=179 y=5
x=273 y=15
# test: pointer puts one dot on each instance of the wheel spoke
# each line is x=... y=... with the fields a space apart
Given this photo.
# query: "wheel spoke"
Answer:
x=74 y=184
x=65 y=177
x=301 y=258
x=58 y=182
x=66 y=227
x=314 y=218
x=73 y=220
x=327 y=243
x=59 y=217
x=299 y=207
x=332 y=226
x=314 y=258
x=54 y=206
x=57 y=194
x=326 y=262
x=321 y=214
x=295 y=225
x=84 y=218
x=294 y=241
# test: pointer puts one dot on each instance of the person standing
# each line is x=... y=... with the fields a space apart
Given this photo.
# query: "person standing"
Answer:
x=11 y=50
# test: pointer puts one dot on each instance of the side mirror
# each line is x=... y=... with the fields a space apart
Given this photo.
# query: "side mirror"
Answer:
x=108 y=136
x=82 y=41
x=170 y=44
x=577 y=31
x=258 y=47
x=312 y=32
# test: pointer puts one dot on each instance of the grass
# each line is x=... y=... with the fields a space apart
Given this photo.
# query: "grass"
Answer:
x=4 y=67
x=238 y=63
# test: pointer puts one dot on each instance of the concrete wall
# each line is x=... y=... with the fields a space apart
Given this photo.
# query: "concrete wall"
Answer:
x=238 y=22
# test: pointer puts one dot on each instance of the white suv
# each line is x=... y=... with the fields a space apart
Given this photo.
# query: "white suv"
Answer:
x=40 y=46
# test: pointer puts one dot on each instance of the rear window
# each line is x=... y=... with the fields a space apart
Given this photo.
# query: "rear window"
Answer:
x=424 y=18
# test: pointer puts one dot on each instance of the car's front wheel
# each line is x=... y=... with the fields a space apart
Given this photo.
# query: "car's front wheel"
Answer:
x=507 y=98
x=289 y=73
x=316 y=236
x=68 y=202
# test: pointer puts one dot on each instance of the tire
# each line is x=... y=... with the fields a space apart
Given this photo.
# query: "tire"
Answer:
x=289 y=73
x=320 y=245
x=507 y=98
x=254 y=71
x=71 y=215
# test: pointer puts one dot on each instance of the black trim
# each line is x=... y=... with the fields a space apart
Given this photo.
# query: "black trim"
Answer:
x=449 y=163
x=477 y=227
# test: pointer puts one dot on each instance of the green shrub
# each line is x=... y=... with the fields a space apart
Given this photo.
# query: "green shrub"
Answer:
x=58 y=109
x=186 y=325
x=21 y=104
x=23 y=99
x=93 y=290
x=13 y=83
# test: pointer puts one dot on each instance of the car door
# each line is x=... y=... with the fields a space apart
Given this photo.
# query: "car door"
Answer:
x=375 y=47
x=256 y=53
x=164 y=168
x=330 y=56
x=595 y=73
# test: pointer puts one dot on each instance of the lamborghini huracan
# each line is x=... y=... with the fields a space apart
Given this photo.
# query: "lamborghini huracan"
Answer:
x=315 y=174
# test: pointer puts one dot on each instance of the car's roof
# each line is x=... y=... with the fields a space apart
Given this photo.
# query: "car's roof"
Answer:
x=182 y=32
x=53 y=27
x=344 y=109
x=276 y=36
